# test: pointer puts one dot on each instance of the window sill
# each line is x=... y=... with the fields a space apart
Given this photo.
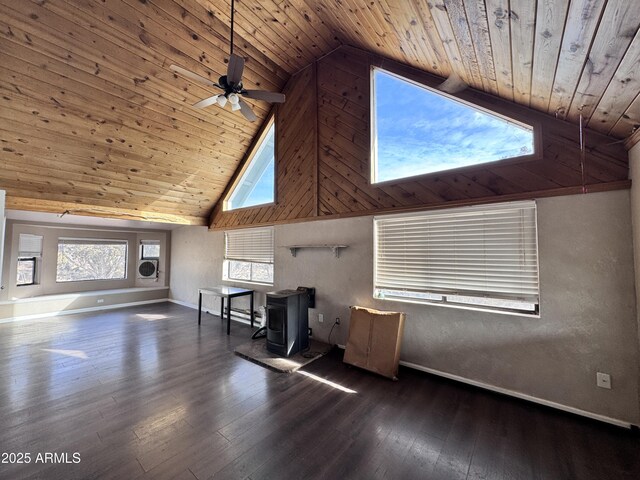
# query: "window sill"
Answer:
x=247 y=282
x=461 y=307
x=80 y=294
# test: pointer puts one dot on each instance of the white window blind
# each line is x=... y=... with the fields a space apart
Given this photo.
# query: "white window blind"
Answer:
x=483 y=255
x=250 y=245
x=29 y=246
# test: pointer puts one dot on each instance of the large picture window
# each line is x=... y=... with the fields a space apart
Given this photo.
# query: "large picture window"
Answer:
x=484 y=256
x=416 y=130
x=249 y=255
x=91 y=259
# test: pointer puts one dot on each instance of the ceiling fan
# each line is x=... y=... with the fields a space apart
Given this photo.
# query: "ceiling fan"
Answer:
x=231 y=85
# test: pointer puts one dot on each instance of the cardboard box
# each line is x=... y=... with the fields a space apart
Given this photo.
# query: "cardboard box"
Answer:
x=374 y=340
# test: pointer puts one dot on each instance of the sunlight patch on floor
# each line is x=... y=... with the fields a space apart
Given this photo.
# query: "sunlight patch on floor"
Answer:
x=326 y=382
x=67 y=353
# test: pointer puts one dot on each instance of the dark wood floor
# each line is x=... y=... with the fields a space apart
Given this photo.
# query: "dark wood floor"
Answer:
x=144 y=393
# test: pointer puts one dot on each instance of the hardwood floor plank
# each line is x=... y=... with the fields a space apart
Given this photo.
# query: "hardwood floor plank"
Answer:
x=144 y=393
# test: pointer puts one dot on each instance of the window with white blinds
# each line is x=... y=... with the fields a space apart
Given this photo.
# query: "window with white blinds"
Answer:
x=249 y=255
x=29 y=246
x=484 y=256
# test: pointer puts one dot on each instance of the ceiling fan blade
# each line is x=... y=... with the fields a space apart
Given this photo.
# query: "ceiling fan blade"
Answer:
x=271 y=97
x=235 y=69
x=193 y=76
x=245 y=109
x=206 y=102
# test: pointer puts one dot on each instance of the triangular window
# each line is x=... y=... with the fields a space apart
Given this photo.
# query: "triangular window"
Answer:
x=256 y=183
x=417 y=130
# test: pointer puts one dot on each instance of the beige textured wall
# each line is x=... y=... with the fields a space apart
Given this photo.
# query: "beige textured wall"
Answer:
x=634 y=175
x=588 y=314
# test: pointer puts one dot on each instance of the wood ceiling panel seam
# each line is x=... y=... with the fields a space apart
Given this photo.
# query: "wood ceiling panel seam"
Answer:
x=318 y=45
x=222 y=31
x=108 y=187
x=477 y=22
x=58 y=191
x=500 y=37
x=457 y=13
x=167 y=22
x=316 y=24
x=374 y=20
x=433 y=42
x=100 y=108
x=548 y=40
x=21 y=203
x=629 y=122
x=582 y=22
x=180 y=167
x=163 y=76
x=126 y=174
x=260 y=34
x=620 y=92
x=110 y=133
x=445 y=30
x=90 y=70
x=111 y=156
x=619 y=25
x=176 y=29
x=343 y=23
x=522 y=24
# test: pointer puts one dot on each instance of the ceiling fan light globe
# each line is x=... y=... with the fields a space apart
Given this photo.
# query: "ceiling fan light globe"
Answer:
x=234 y=99
x=222 y=100
x=235 y=106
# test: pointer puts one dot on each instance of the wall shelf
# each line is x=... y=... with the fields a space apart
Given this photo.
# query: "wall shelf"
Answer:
x=334 y=248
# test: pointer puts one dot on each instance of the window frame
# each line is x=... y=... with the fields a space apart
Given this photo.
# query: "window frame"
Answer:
x=34 y=261
x=149 y=243
x=445 y=292
x=465 y=98
x=246 y=162
x=226 y=265
x=89 y=241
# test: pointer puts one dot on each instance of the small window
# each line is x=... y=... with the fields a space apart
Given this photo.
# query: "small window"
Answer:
x=149 y=249
x=26 y=271
x=416 y=131
x=249 y=255
x=483 y=257
x=91 y=259
x=256 y=185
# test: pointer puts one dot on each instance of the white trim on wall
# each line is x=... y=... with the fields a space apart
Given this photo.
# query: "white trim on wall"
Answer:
x=522 y=396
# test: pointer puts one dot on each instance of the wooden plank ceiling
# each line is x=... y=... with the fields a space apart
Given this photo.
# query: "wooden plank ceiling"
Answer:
x=93 y=121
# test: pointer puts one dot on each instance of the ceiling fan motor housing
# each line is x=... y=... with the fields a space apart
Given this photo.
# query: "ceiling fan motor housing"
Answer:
x=229 y=88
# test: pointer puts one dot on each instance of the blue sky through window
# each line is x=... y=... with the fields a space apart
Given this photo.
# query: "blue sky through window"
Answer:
x=419 y=131
x=256 y=187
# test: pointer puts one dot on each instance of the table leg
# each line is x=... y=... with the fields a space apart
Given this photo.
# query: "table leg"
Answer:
x=229 y=316
x=251 y=309
x=199 y=308
x=221 y=308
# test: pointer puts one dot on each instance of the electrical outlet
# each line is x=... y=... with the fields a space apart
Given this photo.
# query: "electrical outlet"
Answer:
x=100 y=300
x=310 y=332
x=337 y=320
x=603 y=380
x=320 y=318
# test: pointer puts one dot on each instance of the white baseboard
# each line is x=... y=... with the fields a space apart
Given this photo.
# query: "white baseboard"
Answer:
x=81 y=310
x=206 y=310
x=523 y=396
